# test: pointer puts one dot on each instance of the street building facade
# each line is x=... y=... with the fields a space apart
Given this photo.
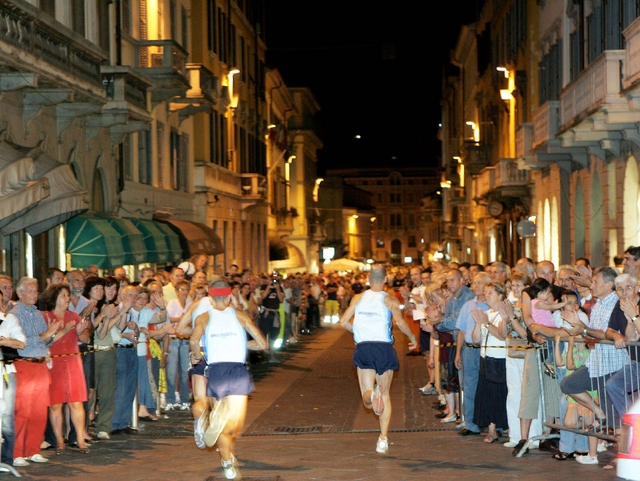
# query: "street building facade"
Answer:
x=539 y=134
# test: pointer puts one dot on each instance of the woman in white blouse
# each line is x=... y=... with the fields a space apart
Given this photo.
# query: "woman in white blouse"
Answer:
x=491 y=332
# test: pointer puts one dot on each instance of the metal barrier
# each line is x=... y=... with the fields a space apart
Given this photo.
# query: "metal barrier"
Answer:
x=615 y=390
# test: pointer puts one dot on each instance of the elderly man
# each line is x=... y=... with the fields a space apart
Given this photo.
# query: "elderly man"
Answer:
x=605 y=360
x=499 y=272
x=467 y=358
x=145 y=274
x=32 y=374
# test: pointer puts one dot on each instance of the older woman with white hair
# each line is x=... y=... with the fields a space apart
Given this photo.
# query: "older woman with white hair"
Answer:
x=624 y=326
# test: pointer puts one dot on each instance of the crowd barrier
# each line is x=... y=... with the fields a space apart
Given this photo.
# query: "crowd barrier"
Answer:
x=581 y=420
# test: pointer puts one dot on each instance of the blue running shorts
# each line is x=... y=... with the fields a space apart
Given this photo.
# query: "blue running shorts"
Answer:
x=380 y=356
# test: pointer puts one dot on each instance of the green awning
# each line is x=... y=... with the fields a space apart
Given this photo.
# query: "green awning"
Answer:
x=154 y=240
x=133 y=244
x=92 y=240
x=173 y=243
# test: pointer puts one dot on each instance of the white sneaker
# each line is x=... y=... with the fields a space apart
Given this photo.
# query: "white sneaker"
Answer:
x=229 y=467
x=170 y=407
x=103 y=435
x=20 y=462
x=185 y=407
x=38 y=458
x=586 y=459
x=382 y=446
x=510 y=444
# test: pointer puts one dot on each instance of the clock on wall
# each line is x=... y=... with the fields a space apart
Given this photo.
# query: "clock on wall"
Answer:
x=495 y=208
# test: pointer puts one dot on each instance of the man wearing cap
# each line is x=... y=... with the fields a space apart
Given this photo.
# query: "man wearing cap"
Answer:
x=219 y=338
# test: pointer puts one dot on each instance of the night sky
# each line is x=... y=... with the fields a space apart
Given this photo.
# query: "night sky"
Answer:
x=376 y=72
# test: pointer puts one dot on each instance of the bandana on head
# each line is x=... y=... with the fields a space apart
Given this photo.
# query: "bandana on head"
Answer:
x=219 y=291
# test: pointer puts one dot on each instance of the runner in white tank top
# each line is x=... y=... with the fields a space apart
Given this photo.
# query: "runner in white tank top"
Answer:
x=228 y=381
x=375 y=358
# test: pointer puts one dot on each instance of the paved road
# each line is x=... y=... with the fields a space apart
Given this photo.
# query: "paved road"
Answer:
x=306 y=422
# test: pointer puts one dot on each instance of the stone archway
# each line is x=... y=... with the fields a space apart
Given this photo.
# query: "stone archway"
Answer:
x=631 y=202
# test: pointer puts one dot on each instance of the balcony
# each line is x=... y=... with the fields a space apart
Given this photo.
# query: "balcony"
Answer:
x=38 y=52
x=202 y=95
x=502 y=181
x=599 y=85
x=254 y=187
x=163 y=61
x=126 y=110
x=213 y=179
x=475 y=156
x=632 y=71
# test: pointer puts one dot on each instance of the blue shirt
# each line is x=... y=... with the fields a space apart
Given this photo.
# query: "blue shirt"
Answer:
x=466 y=322
x=33 y=324
x=452 y=310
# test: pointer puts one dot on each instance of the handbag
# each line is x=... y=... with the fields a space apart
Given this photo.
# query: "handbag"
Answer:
x=516 y=347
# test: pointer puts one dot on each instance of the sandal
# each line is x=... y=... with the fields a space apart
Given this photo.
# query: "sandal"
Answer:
x=491 y=438
x=59 y=451
x=560 y=456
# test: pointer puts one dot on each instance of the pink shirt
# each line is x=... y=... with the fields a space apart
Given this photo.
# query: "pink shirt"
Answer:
x=541 y=316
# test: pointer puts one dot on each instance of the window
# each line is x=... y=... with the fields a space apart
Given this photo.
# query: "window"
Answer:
x=233 y=59
x=411 y=220
x=179 y=160
x=412 y=197
x=173 y=19
x=550 y=77
x=411 y=241
x=48 y=7
x=379 y=198
x=127 y=157
x=77 y=17
x=595 y=33
x=126 y=16
x=160 y=145
x=222 y=35
x=185 y=28
x=212 y=40
x=144 y=157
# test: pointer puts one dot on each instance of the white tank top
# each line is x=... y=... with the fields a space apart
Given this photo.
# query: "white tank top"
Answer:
x=372 y=320
x=225 y=339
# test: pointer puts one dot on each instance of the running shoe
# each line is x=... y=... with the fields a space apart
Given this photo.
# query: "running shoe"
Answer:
x=382 y=446
x=217 y=421
x=200 y=425
x=377 y=403
x=230 y=468
x=587 y=459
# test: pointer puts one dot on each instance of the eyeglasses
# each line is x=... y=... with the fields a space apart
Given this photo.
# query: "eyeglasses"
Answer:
x=182 y=289
x=625 y=288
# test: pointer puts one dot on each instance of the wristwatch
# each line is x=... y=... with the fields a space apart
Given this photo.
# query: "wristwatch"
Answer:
x=635 y=318
x=584 y=333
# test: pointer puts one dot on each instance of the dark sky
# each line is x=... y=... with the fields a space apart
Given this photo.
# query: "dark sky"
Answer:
x=375 y=72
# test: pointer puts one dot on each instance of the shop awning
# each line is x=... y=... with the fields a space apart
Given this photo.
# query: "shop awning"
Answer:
x=154 y=240
x=92 y=240
x=277 y=249
x=67 y=198
x=296 y=259
x=173 y=243
x=195 y=238
x=20 y=189
x=135 y=251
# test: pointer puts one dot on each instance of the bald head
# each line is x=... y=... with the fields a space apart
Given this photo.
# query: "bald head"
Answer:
x=377 y=275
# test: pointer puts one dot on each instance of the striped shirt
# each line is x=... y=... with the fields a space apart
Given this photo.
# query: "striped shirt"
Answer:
x=32 y=324
x=605 y=358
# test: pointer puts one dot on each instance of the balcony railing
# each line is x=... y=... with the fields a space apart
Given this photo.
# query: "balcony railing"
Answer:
x=203 y=83
x=632 y=37
x=122 y=84
x=161 y=54
x=254 y=186
x=49 y=42
x=599 y=84
x=546 y=123
x=501 y=179
x=524 y=139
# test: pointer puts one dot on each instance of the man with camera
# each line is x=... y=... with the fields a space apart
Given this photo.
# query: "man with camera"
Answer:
x=269 y=320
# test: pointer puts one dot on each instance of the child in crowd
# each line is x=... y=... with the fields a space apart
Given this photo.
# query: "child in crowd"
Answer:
x=542 y=303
